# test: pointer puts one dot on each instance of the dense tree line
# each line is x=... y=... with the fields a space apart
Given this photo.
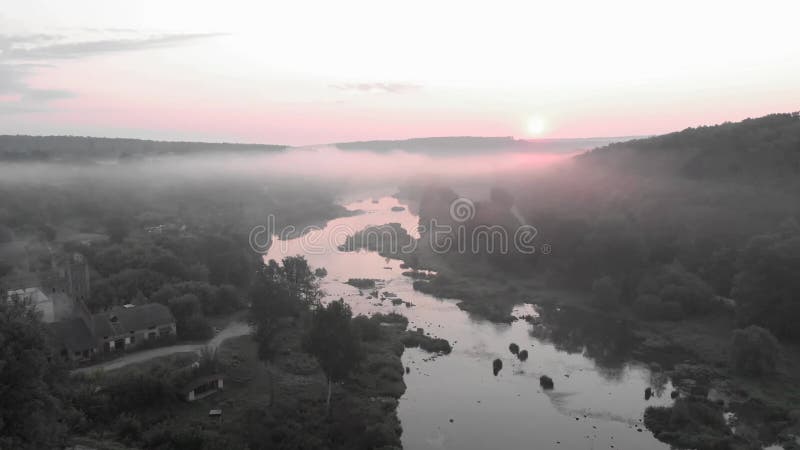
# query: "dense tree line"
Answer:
x=81 y=149
x=32 y=416
x=639 y=225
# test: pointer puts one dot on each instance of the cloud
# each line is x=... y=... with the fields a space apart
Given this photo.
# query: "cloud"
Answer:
x=17 y=96
x=9 y=39
x=46 y=95
x=70 y=50
x=378 y=88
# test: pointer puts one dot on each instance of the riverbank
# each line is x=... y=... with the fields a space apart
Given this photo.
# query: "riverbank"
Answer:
x=694 y=353
x=282 y=402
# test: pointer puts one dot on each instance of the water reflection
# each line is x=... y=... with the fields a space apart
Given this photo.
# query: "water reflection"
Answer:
x=460 y=401
x=607 y=341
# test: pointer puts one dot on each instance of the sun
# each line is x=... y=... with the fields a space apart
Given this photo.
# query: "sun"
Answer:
x=535 y=126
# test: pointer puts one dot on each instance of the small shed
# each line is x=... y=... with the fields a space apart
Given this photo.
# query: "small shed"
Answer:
x=202 y=387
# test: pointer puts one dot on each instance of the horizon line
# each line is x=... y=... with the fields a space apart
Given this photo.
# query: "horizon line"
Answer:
x=211 y=142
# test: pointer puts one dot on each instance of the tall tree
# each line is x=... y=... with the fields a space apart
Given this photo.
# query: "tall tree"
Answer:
x=300 y=279
x=334 y=342
x=31 y=417
x=271 y=305
x=767 y=284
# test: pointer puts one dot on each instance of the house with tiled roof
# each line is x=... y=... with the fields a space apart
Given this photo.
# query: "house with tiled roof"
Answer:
x=126 y=326
x=75 y=334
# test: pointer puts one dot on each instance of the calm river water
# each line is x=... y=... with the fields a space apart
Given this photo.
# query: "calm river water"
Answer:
x=454 y=401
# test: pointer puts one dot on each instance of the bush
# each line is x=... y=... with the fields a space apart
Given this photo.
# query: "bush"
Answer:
x=652 y=307
x=128 y=428
x=754 y=351
x=5 y=268
x=671 y=310
x=361 y=283
x=392 y=317
x=674 y=285
x=425 y=342
x=605 y=292
x=6 y=235
x=690 y=423
x=368 y=329
x=195 y=328
x=646 y=306
x=184 y=306
x=137 y=390
x=227 y=300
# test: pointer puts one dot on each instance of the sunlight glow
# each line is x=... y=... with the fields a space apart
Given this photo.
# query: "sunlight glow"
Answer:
x=535 y=126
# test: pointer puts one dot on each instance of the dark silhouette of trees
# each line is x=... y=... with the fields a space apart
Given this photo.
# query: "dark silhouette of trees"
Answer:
x=605 y=292
x=754 y=351
x=767 y=285
x=300 y=279
x=31 y=417
x=334 y=341
x=272 y=302
x=117 y=228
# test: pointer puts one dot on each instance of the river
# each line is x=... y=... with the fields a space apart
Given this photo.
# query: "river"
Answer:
x=455 y=401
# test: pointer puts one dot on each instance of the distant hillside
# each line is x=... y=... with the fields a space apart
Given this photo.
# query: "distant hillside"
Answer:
x=75 y=148
x=460 y=145
x=766 y=149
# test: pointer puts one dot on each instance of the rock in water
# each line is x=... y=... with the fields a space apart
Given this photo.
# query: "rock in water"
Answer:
x=513 y=348
x=497 y=366
x=648 y=393
x=674 y=394
x=522 y=355
x=546 y=382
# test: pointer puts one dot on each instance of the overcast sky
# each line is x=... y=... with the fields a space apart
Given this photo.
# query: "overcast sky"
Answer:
x=298 y=72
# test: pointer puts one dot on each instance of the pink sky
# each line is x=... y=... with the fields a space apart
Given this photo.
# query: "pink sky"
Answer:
x=276 y=73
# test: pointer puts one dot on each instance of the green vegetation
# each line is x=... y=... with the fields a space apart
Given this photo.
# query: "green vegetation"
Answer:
x=390 y=240
x=675 y=245
x=168 y=234
x=334 y=342
x=86 y=149
x=361 y=283
x=430 y=344
x=767 y=284
x=692 y=422
x=32 y=415
x=762 y=149
x=754 y=351
x=358 y=358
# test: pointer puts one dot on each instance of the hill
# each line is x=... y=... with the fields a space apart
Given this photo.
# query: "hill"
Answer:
x=763 y=150
x=79 y=148
x=460 y=145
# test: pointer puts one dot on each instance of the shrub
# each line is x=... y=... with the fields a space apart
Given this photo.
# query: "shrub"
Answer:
x=647 y=306
x=5 y=268
x=672 y=283
x=690 y=423
x=6 y=235
x=392 y=317
x=754 y=351
x=195 y=328
x=128 y=428
x=425 y=342
x=361 y=283
x=652 y=307
x=368 y=329
x=605 y=292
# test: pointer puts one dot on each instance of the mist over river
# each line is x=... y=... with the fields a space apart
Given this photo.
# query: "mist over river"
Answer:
x=455 y=401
